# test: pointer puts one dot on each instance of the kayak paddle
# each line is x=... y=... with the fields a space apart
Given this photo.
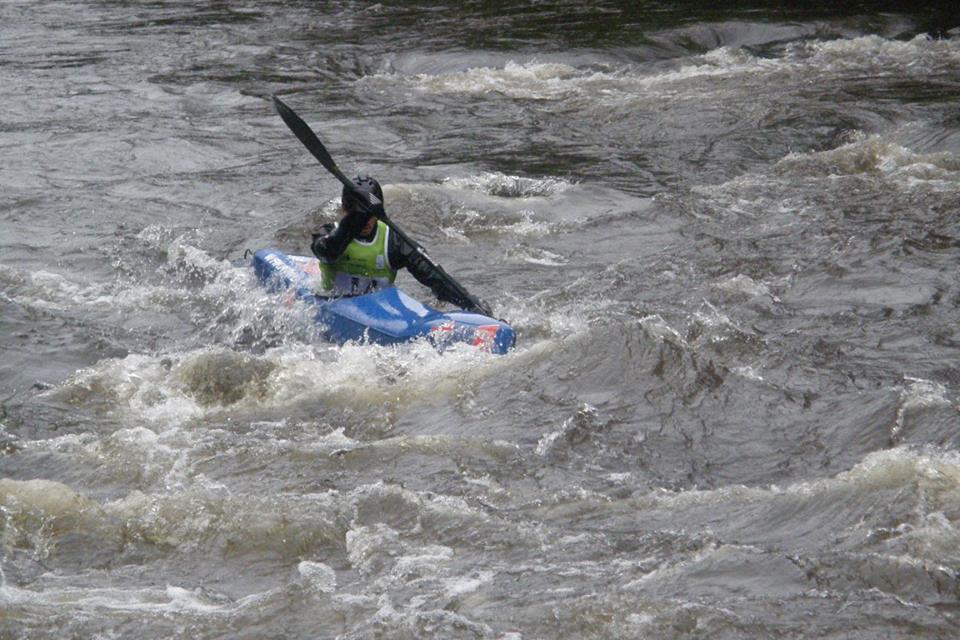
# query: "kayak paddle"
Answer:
x=373 y=204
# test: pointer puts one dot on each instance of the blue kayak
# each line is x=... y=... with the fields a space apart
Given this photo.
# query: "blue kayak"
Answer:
x=388 y=316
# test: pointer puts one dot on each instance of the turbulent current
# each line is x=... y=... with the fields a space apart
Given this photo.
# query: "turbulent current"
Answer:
x=728 y=240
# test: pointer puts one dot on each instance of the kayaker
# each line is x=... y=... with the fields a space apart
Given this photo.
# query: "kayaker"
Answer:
x=360 y=254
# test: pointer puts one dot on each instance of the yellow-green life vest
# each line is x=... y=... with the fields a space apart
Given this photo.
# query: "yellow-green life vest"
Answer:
x=363 y=267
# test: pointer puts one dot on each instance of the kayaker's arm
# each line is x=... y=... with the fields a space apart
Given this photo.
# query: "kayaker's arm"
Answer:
x=402 y=255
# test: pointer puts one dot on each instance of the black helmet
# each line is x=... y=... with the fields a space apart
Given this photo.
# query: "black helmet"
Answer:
x=363 y=184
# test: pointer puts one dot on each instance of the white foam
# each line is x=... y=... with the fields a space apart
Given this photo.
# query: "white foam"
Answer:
x=894 y=468
x=884 y=56
x=535 y=80
x=532 y=80
x=367 y=546
x=619 y=478
x=658 y=329
x=547 y=442
x=180 y=386
x=423 y=561
x=461 y=585
x=582 y=423
x=43 y=289
x=918 y=394
x=744 y=284
x=879 y=155
x=465 y=221
x=213 y=290
x=168 y=599
x=713 y=325
x=510 y=186
x=748 y=372
x=545 y=258
x=319 y=576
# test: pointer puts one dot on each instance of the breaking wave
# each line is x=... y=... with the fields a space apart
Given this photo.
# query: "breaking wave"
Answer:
x=507 y=186
x=878 y=155
x=182 y=386
x=534 y=80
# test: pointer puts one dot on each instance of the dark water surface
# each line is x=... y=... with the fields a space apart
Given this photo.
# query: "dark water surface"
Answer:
x=727 y=234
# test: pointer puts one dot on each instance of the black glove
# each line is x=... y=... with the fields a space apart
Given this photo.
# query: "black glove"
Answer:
x=361 y=212
x=355 y=221
x=480 y=306
x=332 y=242
x=320 y=246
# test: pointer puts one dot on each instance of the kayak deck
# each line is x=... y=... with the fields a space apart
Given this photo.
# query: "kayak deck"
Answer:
x=388 y=316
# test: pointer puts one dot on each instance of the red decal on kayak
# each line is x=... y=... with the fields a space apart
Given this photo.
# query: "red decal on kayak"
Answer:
x=484 y=336
x=446 y=326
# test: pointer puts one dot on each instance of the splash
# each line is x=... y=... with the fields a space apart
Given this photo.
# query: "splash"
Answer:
x=182 y=386
x=916 y=396
x=465 y=222
x=744 y=284
x=882 y=56
x=878 y=155
x=318 y=576
x=531 y=80
x=508 y=186
x=170 y=388
x=584 y=425
x=537 y=256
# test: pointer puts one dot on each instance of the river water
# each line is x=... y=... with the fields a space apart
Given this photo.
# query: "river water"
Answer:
x=728 y=240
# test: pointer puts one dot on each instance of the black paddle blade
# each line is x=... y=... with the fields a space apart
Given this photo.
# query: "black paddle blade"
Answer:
x=310 y=140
